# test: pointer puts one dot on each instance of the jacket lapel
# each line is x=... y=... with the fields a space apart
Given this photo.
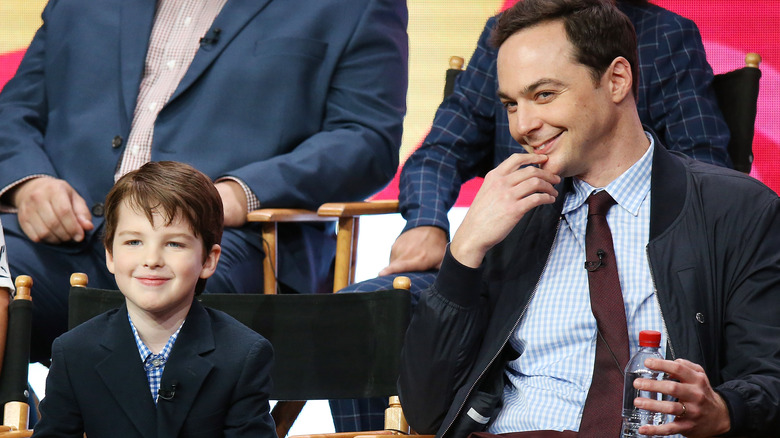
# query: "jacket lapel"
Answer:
x=137 y=17
x=123 y=373
x=234 y=16
x=186 y=369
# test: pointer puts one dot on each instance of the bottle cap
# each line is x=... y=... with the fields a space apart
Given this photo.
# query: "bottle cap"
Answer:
x=649 y=338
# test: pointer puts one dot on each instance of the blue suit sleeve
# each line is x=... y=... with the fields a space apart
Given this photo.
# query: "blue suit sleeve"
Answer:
x=461 y=138
x=249 y=413
x=676 y=95
x=23 y=109
x=60 y=413
x=356 y=151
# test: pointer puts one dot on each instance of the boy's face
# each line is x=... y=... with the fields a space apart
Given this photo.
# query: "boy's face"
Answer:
x=157 y=266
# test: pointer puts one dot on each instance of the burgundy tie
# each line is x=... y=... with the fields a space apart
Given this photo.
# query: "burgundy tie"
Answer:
x=601 y=416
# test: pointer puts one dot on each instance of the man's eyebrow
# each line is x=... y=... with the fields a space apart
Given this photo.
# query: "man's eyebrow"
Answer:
x=531 y=88
x=541 y=83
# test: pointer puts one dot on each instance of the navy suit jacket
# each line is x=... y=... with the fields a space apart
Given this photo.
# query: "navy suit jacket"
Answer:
x=97 y=383
x=303 y=100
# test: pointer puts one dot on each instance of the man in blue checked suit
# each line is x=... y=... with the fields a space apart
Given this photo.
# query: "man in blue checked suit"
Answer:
x=470 y=135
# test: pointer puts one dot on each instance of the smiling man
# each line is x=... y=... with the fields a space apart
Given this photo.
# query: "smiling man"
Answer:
x=569 y=251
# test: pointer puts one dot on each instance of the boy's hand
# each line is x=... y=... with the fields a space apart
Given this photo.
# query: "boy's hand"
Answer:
x=508 y=192
x=705 y=413
x=50 y=210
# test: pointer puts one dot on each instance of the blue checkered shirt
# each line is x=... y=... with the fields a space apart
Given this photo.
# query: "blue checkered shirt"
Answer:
x=470 y=132
x=549 y=381
x=154 y=364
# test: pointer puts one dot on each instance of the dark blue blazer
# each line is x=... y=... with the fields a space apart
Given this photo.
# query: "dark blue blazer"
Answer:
x=303 y=100
x=97 y=383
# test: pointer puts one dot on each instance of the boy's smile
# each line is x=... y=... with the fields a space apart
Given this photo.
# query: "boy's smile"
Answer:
x=157 y=266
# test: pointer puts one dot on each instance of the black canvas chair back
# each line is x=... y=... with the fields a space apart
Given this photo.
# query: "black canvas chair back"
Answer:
x=326 y=346
x=737 y=93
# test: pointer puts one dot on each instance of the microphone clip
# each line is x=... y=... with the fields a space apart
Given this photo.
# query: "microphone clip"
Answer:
x=593 y=266
x=167 y=393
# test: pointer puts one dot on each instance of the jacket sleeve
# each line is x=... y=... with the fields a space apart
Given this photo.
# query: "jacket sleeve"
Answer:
x=249 y=413
x=356 y=150
x=23 y=109
x=680 y=103
x=60 y=413
x=461 y=138
x=441 y=344
x=752 y=326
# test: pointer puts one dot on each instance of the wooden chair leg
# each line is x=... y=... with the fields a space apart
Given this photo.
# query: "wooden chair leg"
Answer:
x=345 y=242
x=270 y=267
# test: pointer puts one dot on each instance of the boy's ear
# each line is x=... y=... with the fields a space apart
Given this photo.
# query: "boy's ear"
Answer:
x=110 y=262
x=212 y=258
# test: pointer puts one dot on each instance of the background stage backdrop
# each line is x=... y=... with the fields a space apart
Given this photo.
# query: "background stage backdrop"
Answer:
x=439 y=29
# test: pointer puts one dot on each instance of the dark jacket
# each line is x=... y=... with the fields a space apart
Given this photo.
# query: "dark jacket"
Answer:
x=97 y=384
x=714 y=255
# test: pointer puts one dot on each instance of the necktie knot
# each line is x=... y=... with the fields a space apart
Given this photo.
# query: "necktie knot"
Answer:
x=600 y=203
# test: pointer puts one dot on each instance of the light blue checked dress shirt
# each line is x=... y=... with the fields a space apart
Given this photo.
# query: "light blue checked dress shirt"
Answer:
x=549 y=382
x=154 y=364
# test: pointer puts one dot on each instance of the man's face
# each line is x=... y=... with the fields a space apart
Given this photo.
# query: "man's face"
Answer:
x=157 y=266
x=554 y=106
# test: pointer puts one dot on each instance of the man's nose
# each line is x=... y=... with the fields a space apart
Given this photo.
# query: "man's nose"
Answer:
x=526 y=119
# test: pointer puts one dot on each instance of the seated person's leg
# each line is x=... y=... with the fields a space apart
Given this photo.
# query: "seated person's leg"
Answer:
x=240 y=268
x=50 y=267
x=353 y=415
x=420 y=282
x=304 y=257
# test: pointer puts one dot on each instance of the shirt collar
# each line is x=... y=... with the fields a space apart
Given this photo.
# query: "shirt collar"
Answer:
x=147 y=357
x=628 y=190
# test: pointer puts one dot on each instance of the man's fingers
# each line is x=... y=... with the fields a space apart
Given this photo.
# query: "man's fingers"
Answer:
x=46 y=211
x=82 y=212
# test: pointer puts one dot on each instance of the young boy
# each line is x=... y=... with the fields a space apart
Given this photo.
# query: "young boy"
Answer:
x=161 y=365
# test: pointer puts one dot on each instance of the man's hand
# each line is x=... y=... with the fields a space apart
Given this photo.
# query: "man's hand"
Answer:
x=51 y=211
x=417 y=249
x=705 y=413
x=233 y=202
x=507 y=193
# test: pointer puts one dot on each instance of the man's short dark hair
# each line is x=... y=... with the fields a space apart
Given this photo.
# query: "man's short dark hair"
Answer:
x=597 y=29
x=169 y=188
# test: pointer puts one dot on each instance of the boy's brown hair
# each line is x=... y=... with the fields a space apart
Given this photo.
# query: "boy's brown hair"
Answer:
x=169 y=188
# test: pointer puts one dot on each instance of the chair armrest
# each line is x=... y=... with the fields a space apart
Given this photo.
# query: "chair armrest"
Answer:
x=269 y=218
x=348 y=434
x=350 y=209
x=348 y=215
x=268 y=215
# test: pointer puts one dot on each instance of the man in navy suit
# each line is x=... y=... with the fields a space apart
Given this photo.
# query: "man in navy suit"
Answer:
x=282 y=104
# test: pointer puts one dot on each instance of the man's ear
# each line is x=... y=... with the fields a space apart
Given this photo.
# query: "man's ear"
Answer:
x=212 y=258
x=110 y=261
x=620 y=79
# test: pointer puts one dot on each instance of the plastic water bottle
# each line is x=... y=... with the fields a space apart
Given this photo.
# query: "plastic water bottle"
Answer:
x=633 y=417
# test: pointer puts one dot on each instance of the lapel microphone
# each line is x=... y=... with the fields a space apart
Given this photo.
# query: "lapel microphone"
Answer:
x=593 y=266
x=168 y=393
x=211 y=37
